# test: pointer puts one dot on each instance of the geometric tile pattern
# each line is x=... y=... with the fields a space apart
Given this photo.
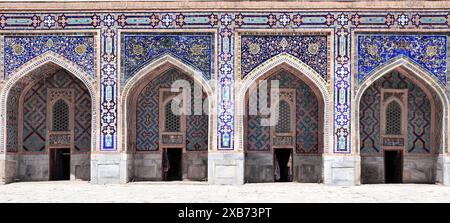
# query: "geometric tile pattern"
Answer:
x=35 y=112
x=12 y=118
x=393 y=118
x=258 y=136
x=82 y=116
x=60 y=116
x=438 y=121
x=311 y=50
x=108 y=86
x=429 y=51
x=195 y=49
x=226 y=22
x=307 y=112
x=197 y=127
x=34 y=118
x=197 y=133
x=172 y=121
x=284 y=120
x=369 y=120
x=419 y=115
x=147 y=115
x=225 y=79
x=21 y=49
x=419 y=121
x=307 y=118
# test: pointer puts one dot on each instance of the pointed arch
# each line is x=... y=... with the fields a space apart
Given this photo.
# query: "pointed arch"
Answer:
x=304 y=72
x=159 y=65
x=412 y=71
x=37 y=62
x=152 y=70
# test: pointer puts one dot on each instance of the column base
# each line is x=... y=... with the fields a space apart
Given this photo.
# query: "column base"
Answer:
x=443 y=170
x=2 y=169
x=108 y=168
x=226 y=168
x=342 y=170
x=9 y=166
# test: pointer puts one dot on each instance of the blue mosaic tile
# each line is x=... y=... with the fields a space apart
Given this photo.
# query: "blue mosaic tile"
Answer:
x=21 y=49
x=139 y=50
x=341 y=24
x=428 y=51
x=310 y=49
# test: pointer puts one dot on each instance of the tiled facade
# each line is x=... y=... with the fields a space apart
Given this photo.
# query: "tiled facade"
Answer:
x=339 y=49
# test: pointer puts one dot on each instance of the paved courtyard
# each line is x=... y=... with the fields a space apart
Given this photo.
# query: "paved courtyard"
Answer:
x=77 y=191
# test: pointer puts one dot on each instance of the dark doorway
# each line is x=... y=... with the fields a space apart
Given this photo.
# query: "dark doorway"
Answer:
x=172 y=164
x=59 y=164
x=393 y=166
x=283 y=165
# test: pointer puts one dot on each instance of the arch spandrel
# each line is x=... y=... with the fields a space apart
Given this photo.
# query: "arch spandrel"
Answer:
x=419 y=75
x=23 y=73
x=151 y=71
x=300 y=70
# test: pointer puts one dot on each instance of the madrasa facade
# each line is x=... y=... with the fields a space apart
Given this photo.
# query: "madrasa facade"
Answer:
x=360 y=90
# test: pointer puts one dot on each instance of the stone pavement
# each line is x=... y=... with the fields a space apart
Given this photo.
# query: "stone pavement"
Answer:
x=78 y=191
